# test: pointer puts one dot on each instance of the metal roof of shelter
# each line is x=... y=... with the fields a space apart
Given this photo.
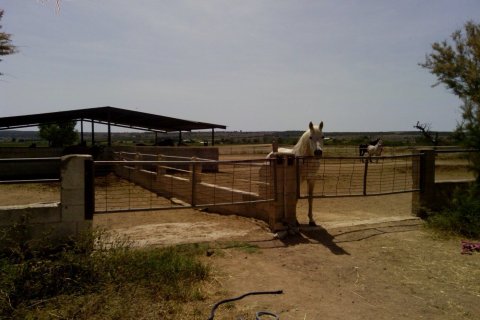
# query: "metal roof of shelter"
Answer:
x=109 y=116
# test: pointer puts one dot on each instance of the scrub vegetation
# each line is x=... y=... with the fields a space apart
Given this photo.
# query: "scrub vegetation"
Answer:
x=96 y=277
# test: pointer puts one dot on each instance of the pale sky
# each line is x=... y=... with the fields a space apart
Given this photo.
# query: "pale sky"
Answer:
x=252 y=65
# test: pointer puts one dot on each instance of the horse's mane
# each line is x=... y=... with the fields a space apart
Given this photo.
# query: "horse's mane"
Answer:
x=302 y=147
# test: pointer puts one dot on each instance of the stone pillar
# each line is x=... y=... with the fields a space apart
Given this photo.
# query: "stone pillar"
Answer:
x=283 y=211
x=424 y=200
x=75 y=209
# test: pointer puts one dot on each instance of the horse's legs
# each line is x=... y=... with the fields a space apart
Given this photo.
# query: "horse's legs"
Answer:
x=311 y=185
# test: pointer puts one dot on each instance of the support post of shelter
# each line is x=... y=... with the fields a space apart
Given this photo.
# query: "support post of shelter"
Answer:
x=109 y=133
x=213 y=137
x=93 y=133
x=81 y=131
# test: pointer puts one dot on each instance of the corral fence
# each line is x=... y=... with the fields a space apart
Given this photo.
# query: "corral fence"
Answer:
x=354 y=176
x=266 y=189
x=332 y=150
x=136 y=181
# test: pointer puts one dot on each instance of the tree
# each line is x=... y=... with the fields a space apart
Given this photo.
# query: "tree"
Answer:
x=59 y=134
x=456 y=64
x=430 y=136
x=6 y=47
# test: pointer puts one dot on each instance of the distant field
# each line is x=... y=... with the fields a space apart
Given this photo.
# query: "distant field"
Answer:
x=26 y=138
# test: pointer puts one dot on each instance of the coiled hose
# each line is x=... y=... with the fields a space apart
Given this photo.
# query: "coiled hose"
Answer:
x=258 y=314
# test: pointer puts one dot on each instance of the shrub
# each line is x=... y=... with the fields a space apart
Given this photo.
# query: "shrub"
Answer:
x=463 y=216
x=36 y=278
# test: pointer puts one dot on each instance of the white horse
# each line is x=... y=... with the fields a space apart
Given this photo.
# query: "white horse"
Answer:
x=310 y=144
x=375 y=150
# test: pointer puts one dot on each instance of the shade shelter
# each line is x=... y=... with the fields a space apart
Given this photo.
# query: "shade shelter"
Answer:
x=110 y=116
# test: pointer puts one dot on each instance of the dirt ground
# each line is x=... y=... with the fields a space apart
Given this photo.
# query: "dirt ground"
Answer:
x=368 y=258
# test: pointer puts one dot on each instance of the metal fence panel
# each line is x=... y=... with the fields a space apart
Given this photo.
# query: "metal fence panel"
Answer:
x=354 y=176
x=155 y=185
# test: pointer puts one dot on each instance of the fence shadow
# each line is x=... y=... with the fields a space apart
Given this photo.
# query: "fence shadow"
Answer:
x=364 y=232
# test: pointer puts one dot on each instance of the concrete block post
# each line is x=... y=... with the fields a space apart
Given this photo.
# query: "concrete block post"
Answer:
x=424 y=200
x=195 y=179
x=75 y=213
x=282 y=213
x=290 y=191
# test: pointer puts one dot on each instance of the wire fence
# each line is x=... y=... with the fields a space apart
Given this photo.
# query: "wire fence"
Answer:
x=354 y=176
x=139 y=182
x=155 y=185
x=329 y=150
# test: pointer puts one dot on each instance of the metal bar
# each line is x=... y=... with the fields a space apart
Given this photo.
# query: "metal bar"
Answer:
x=183 y=162
x=205 y=205
x=81 y=131
x=326 y=158
x=93 y=133
x=457 y=150
x=360 y=195
x=109 y=141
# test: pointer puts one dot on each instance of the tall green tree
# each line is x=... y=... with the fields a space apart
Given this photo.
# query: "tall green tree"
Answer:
x=456 y=64
x=6 y=46
x=59 y=134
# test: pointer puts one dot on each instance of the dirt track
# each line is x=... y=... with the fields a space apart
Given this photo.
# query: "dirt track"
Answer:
x=368 y=258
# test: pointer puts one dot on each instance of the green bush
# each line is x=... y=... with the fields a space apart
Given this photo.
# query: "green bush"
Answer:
x=98 y=267
x=463 y=216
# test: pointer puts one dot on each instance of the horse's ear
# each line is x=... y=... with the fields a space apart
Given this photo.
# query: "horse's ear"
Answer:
x=321 y=125
x=310 y=125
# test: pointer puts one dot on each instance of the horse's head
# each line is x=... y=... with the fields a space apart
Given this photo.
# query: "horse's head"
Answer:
x=315 y=139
